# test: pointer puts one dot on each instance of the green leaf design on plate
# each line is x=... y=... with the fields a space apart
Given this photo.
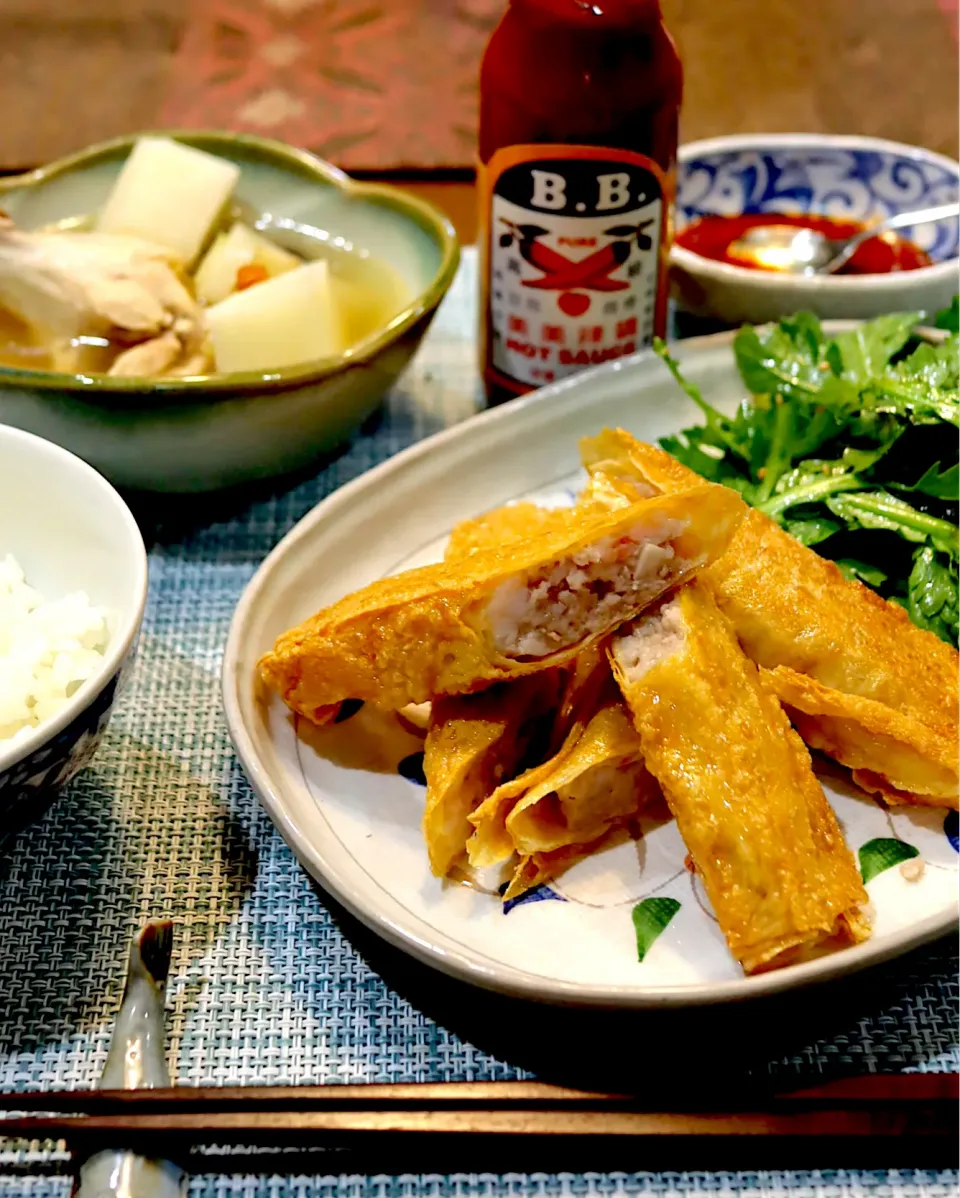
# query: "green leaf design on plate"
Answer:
x=649 y=919
x=882 y=854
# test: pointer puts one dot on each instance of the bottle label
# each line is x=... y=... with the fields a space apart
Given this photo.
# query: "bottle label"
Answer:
x=574 y=259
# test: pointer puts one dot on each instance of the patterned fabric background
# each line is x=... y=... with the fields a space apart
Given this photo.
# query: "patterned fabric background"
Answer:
x=364 y=83
x=387 y=84
x=272 y=983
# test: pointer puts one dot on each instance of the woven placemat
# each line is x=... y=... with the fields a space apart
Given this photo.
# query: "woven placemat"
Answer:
x=271 y=982
x=843 y=1183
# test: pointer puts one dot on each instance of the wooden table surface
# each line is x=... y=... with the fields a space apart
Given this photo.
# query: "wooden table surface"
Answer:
x=456 y=197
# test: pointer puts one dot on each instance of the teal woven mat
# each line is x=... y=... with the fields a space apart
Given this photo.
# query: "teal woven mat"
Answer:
x=919 y=1183
x=270 y=983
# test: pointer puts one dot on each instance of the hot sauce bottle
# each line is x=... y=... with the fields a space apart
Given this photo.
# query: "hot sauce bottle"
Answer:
x=579 y=101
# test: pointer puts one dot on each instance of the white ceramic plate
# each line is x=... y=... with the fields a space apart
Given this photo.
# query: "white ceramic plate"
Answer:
x=343 y=799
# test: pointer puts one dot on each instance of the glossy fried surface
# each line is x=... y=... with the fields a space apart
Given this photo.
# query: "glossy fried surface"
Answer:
x=538 y=868
x=522 y=521
x=424 y=633
x=473 y=743
x=915 y=764
x=504 y=526
x=868 y=687
x=579 y=794
x=595 y=780
x=586 y=679
x=793 y=608
x=738 y=779
x=622 y=469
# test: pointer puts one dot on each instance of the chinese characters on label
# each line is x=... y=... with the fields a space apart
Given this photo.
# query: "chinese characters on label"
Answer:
x=574 y=262
x=549 y=346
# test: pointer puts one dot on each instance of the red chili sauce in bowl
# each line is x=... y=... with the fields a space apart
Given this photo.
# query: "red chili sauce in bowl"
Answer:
x=714 y=237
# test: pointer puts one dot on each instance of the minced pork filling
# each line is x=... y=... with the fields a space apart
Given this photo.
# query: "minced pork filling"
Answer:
x=587 y=593
x=652 y=639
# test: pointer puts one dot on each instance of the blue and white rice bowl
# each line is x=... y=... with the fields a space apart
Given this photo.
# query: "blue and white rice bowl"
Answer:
x=69 y=531
x=847 y=177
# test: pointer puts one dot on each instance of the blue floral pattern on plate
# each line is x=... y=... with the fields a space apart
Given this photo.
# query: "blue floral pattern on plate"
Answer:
x=838 y=181
x=537 y=894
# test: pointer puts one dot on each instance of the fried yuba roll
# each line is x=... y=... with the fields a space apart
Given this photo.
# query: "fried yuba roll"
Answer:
x=596 y=779
x=584 y=680
x=504 y=526
x=608 y=487
x=457 y=627
x=863 y=683
x=738 y=778
x=538 y=868
x=601 y=779
x=622 y=469
x=473 y=743
x=522 y=521
x=918 y=766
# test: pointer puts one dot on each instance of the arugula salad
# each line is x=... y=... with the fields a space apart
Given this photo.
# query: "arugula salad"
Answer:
x=850 y=442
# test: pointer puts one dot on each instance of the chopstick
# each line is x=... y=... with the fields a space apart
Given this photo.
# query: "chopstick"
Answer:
x=909 y=1119
x=869 y=1089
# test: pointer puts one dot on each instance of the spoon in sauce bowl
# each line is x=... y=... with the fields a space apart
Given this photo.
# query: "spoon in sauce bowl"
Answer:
x=804 y=251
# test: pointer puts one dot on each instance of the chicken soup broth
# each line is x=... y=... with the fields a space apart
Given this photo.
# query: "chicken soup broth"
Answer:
x=351 y=295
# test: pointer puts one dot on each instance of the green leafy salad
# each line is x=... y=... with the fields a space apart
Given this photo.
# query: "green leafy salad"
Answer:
x=850 y=442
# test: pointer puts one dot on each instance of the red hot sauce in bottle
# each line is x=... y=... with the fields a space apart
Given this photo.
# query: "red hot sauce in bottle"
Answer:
x=579 y=103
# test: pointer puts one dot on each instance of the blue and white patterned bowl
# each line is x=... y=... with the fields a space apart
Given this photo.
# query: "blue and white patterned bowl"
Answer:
x=69 y=530
x=857 y=178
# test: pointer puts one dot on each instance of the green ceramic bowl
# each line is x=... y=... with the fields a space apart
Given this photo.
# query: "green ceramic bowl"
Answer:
x=185 y=435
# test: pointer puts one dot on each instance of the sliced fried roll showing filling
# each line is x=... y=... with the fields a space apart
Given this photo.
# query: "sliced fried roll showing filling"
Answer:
x=475 y=742
x=595 y=781
x=861 y=681
x=738 y=779
x=496 y=615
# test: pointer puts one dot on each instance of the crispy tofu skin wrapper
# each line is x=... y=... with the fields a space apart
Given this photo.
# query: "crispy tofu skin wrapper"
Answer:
x=738 y=779
x=504 y=526
x=864 y=684
x=622 y=469
x=538 y=868
x=475 y=742
x=595 y=781
x=500 y=614
x=586 y=679
x=918 y=766
x=521 y=521
x=867 y=686
x=607 y=488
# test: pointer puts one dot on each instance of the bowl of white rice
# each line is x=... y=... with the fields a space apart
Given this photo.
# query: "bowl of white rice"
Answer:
x=73 y=582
